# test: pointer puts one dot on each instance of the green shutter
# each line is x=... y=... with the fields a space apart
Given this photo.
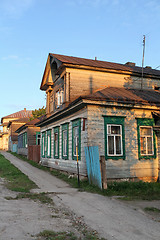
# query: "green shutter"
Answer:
x=65 y=127
x=118 y=121
x=145 y=122
x=56 y=130
x=76 y=123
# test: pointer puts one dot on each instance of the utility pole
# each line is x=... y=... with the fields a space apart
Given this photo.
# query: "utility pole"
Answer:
x=144 y=39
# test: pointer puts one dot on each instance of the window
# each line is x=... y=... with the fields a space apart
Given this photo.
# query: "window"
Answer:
x=38 y=138
x=76 y=139
x=65 y=141
x=49 y=143
x=146 y=138
x=114 y=140
x=56 y=142
x=114 y=137
x=24 y=136
x=59 y=98
x=43 y=144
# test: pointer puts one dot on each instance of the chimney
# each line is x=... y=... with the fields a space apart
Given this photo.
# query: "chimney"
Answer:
x=25 y=109
x=132 y=64
x=149 y=67
x=95 y=58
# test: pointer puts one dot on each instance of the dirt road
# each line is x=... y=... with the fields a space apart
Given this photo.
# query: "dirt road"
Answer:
x=111 y=218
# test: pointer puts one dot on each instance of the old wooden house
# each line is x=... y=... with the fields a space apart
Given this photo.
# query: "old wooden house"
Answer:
x=28 y=135
x=12 y=126
x=110 y=105
x=8 y=132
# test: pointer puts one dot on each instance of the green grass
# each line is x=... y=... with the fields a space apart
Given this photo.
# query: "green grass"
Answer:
x=42 y=197
x=51 y=235
x=126 y=190
x=152 y=209
x=15 y=179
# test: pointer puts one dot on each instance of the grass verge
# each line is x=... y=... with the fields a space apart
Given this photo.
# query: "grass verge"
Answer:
x=42 y=197
x=16 y=180
x=51 y=235
x=152 y=209
x=127 y=190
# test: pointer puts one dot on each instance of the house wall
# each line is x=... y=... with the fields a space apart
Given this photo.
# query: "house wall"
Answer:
x=158 y=143
x=79 y=82
x=84 y=82
x=131 y=167
x=1 y=142
x=67 y=165
x=31 y=135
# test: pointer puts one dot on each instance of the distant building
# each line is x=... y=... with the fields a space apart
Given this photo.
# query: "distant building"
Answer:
x=7 y=134
x=28 y=135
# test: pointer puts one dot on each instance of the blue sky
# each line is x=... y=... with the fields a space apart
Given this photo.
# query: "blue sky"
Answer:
x=111 y=30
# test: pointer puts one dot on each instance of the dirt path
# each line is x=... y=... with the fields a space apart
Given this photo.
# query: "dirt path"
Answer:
x=111 y=218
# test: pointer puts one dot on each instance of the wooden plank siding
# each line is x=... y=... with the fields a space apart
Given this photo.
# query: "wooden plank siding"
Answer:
x=66 y=165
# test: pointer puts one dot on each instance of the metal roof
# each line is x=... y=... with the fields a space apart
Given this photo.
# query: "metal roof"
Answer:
x=126 y=95
x=104 y=64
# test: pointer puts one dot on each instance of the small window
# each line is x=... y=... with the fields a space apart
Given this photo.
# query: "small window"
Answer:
x=56 y=142
x=76 y=139
x=59 y=98
x=43 y=144
x=146 y=140
x=114 y=140
x=114 y=133
x=65 y=143
x=38 y=138
x=49 y=143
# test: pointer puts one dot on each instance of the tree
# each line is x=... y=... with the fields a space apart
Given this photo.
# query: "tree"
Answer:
x=38 y=113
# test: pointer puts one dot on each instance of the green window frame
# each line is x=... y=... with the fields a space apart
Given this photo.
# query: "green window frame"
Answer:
x=143 y=139
x=65 y=140
x=76 y=136
x=43 y=144
x=38 y=137
x=48 y=150
x=56 y=142
x=26 y=142
x=114 y=133
x=24 y=136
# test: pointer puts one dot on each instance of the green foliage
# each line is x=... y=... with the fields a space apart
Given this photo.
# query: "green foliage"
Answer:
x=42 y=197
x=152 y=209
x=38 y=113
x=51 y=235
x=16 y=180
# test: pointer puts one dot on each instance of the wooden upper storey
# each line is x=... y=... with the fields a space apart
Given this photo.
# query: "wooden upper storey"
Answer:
x=67 y=78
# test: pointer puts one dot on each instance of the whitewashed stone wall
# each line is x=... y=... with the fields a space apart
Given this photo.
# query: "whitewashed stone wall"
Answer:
x=131 y=166
x=94 y=135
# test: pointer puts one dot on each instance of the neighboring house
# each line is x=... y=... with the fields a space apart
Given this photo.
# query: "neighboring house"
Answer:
x=28 y=135
x=13 y=136
x=91 y=102
x=5 y=134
